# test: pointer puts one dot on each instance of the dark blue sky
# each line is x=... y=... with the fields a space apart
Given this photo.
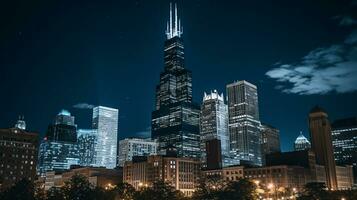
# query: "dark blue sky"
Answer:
x=56 y=54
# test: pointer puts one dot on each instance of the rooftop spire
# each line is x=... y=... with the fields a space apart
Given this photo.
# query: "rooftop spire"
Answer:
x=173 y=27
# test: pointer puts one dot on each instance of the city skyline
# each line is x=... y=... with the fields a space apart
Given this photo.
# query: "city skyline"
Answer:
x=232 y=66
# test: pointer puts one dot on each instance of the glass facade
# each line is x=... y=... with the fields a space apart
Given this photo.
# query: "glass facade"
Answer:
x=87 y=140
x=175 y=121
x=270 y=140
x=214 y=124
x=344 y=141
x=58 y=150
x=243 y=123
x=57 y=156
x=130 y=147
x=105 y=121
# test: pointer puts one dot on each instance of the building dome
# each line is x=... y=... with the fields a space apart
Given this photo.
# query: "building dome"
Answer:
x=317 y=109
x=64 y=112
x=301 y=143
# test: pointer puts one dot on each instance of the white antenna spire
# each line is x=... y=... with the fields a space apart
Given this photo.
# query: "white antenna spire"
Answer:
x=173 y=27
x=170 y=20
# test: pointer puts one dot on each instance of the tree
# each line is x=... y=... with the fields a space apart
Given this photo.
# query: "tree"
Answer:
x=124 y=191
x=243 y=189
x=78 y=188
x=159 y=191
x=314 y=191
x=23 y=190
x=55 y=193
x=208 y=189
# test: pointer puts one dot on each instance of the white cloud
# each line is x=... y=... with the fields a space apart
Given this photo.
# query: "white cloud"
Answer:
x=323 y=70
x=83 y=106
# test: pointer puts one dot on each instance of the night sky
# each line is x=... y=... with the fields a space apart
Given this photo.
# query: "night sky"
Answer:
x=74 y=54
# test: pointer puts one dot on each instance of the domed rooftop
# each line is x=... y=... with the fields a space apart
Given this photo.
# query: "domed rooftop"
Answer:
x=317 y=109
x=64 y=112
x=301 y=139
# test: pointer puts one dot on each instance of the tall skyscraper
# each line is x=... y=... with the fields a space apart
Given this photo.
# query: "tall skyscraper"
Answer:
x=175 y=119
x=18 y=156
x=58 y=149
x=87 y=140
x=105 y=121
x=214 y=125
x=321 y=144
x=344 y=141
x=270 y=140
x=243 y=123
x=301 y=143
x=130 y=147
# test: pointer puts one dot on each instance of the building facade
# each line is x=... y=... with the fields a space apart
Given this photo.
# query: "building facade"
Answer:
x=243 y=123
x=175 y=120
x=87 y=142
x=321 y=144
x=105 y=122
x=270 y=140
x=344 y=141
x=58 y=149
x=301 y=143
x=18 y=156
x=130 y=147
x=214 y=125
x=97 y=176
x=181 y=173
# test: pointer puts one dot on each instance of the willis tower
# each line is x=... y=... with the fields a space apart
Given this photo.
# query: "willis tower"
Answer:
x=175 y=119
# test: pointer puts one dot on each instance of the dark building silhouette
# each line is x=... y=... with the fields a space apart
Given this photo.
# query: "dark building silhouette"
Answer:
x=270 y=140
x=175 y=119
x=321 y=144
x=344 y=141
x=213 y=154
x=18 y=156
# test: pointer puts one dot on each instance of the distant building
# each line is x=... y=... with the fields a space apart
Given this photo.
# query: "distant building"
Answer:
x=244 y=124
x=181 y=173
x=301 y=143
x=87 y=142
x=270 y=140
x=21 y=124
x=175 y=120
x=230 y=173
x=18 y=156
x=130 y=147
x=58 y=149
x=105 y=122
x=321 y=139
x=344 y=141
x=214 y=126
x=97 y=176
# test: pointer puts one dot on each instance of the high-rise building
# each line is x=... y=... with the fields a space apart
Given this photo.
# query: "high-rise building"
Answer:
x=270 y=140
x=175 y=119
x=130 y=147
x=105 y=121
x=87 y=139
x=344 y=141
x=243 y=123
x=58 y=149
x=321 y=144
x=214 y=125
x=63 y=128
x=301 y=143
x=18 y=156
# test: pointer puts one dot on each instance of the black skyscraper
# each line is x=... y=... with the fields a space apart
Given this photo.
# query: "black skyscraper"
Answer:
x=175 y=119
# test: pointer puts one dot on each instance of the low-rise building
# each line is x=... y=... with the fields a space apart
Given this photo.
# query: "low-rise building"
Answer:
x=181 y=173
x=97 y=176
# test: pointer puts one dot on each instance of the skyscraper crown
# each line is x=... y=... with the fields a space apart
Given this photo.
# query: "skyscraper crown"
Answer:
x=173 y=27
